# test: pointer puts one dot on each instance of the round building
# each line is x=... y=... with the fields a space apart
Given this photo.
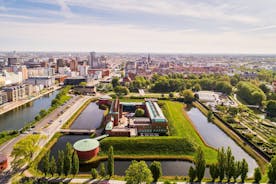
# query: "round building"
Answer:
x=87 y=148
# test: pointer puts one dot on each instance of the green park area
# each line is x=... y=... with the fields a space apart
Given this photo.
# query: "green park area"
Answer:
x=181 y=142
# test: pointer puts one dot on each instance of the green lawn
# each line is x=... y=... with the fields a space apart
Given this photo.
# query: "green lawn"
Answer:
x=180 y=125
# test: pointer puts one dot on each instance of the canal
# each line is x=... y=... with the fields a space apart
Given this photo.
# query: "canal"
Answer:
x=18 y=117
x=90 y=118
x=169 y=167
x=215 y=137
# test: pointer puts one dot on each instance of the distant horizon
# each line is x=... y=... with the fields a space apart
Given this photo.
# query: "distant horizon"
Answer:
x=146 y=53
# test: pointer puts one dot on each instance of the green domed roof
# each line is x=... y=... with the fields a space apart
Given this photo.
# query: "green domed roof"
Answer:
x=86 y=144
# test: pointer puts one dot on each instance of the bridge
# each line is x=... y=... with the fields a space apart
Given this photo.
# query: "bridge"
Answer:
x=76 y=131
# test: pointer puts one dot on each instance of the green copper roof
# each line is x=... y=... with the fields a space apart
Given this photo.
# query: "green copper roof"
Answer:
x=86 y=144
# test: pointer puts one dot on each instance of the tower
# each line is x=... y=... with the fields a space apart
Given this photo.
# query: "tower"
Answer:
x=92 y=60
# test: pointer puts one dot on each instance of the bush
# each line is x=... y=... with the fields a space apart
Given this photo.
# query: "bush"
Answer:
x=139 y=112
x=94 y=173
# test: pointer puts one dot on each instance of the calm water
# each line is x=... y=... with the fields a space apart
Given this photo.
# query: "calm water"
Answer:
x=169 y=167
x=90 y=118
x=215 y=137
x=17 y=118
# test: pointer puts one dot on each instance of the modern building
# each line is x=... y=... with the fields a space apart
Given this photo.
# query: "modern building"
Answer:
x=46 y=81
x=87 y=148
x=3 y=97
x=74 y=80
x=16 y=92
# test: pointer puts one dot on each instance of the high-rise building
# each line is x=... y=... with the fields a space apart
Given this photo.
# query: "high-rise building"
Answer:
x=92 y=61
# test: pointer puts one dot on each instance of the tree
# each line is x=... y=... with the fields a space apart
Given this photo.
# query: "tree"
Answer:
x=121 y=90
x=229 y=164
x=213 y=171
x=192 y=174
x=224 y=87
x=138 y=172
x=156 y=170
x=60 y=162
x=94 y=173
x=264 y=88
x=197 y=87
x=139 y=112
x=237 y=170
x=210 y=116
x=45 y=164
x=102 y=170
x=188 y=95
x=110 y=162
x=115 y=82
x=67 y=164
x=42 y=113
x=221 y=163
x=244 y=170
x=75 y=164
x=23 y=150
x=272 y=170
x=271 y=108
x=257 y=175
x=200 y=164
x=53 y=166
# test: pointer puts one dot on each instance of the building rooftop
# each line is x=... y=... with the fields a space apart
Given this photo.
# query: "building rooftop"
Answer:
x=155 y=113
x=86 y=145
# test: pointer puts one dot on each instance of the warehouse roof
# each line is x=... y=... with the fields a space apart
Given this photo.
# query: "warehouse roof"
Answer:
x=86 y=145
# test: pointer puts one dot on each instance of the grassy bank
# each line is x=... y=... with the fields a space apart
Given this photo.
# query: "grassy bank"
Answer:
x=261 y=162
x=7 y=135
x=76 y=114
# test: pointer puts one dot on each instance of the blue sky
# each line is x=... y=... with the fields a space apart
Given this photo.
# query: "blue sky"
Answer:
x=178 y=26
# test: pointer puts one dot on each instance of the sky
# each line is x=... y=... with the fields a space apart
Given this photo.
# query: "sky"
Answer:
x=149 y=26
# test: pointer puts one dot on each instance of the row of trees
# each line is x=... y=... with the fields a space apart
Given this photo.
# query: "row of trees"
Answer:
x=67 y=162
x=226 y=167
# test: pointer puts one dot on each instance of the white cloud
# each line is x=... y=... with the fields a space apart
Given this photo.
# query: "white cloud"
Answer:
x=65 y=8
x=222 y=12
x=107 y=38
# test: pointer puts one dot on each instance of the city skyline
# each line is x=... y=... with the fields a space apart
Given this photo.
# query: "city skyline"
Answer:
x=139 y=26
